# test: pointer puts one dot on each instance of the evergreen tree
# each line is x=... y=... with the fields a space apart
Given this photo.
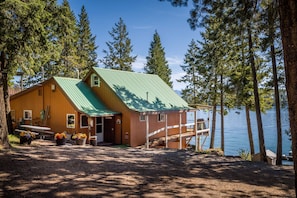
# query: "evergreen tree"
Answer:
x=190 y=92
x=271 y=43
x=23 y=37
x=67 y=65
x=50 y=55
x=86 y=47
x=118 y=56
x=156 y=61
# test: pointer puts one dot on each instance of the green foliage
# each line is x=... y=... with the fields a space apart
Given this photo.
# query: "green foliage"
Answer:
x=86 y=47
x=23 y=34
x=67 y=38
x=119 y=50
x=245 y=155
x=156 y=61
x=13 y=139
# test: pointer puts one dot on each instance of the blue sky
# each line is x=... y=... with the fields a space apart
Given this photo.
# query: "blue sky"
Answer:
x=142 y=18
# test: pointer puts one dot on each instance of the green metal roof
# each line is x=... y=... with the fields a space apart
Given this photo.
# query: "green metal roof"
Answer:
x=82 y=97
x=142 y=92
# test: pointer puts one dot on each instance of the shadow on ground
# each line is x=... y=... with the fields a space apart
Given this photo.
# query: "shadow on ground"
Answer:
x=73 y=171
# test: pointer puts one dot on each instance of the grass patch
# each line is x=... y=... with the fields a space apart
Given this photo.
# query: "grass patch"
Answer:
x=121 y=146
x=245 y=155
x=13 y=139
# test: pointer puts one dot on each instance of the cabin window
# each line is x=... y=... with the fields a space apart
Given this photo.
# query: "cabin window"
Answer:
x=27 y=115
x=95 y=81
x=161 y=117
x=142 y=118
x=83 y=121
x=70 y=121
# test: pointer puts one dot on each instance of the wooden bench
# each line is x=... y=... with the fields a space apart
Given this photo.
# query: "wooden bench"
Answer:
x=19 y=131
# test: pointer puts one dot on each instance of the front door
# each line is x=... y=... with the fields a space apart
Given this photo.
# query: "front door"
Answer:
x=99 y=129
x=109 y=133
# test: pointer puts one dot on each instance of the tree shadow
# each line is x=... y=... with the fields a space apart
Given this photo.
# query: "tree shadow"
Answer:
x=142 y=103
x=76 y=171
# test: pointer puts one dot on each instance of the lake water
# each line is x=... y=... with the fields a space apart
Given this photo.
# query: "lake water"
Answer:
x=236 y=136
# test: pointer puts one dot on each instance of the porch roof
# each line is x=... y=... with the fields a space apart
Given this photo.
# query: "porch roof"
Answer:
x=142 y=92
x=82 y=97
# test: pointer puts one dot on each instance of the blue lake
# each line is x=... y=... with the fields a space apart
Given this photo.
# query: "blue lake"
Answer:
x=236 y=136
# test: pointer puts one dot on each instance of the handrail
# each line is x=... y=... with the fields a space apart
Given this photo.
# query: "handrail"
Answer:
x=174 y=127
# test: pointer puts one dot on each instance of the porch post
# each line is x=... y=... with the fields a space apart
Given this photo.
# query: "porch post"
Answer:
x=147 y=130
x=180 y=131
x=166 y=131
x=195 y=130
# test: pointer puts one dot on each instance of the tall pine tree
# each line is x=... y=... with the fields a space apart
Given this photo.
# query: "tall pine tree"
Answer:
x=190 y=92
x=86 y=47
x=67 y=65
x=118 y=56
x=156 y=61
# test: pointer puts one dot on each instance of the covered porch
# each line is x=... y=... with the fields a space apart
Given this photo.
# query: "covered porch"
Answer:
x=197 y=128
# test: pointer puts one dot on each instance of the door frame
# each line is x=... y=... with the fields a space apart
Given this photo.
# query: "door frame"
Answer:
x=100 y=135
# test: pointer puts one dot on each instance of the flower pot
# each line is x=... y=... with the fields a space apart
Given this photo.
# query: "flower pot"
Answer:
x=24 y=139
x=93 y=142
x=81 y=141
x=61 y=141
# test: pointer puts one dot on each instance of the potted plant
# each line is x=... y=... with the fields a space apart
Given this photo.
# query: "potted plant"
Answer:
x=26 y=136
x=60 y=138
x=80 y=138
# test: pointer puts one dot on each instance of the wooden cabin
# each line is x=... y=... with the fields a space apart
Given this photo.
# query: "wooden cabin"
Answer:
x=115 y=106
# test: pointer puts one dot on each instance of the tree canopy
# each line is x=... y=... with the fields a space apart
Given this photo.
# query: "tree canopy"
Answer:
x=118 y=55
x=156 y=60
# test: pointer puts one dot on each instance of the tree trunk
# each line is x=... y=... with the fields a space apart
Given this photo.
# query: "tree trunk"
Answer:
x=222 y=115
x=213 y=125
x=277 y=109
x=3 y=120
x=257 y=100
x=249 y=128
x=288 y=20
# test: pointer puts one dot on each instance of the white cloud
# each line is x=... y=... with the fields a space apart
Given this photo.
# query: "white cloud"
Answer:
x=174 y=64
x=176 y=61
x=175 y=77
x=138 y=65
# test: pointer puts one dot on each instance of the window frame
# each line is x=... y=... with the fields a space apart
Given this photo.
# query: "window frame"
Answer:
x=95 y=82
x=27 y=114
x=81 y=121
x=161 y=117
x=68 y=124
x=142 y=118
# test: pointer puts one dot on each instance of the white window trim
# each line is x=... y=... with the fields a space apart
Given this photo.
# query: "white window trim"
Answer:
x=161 y=117
x=67 y=125
x=29 y=113
x=93 y=81
x=142 y=118
x=81 y=115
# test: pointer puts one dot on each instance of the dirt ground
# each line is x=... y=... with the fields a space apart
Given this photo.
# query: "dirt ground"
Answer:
x=46 y=170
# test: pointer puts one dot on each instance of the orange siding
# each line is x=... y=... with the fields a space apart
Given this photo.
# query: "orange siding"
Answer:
x=131 y=129
x=139 y=127
x=112 y=102
x=29 y=101
x=39 y=98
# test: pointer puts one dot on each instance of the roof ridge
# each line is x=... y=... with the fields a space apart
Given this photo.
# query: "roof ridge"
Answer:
x=130 y=72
